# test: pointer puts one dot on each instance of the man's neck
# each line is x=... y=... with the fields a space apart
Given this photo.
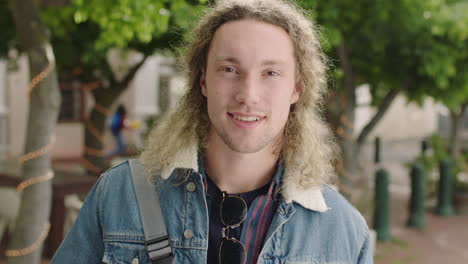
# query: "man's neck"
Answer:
x=235 y=172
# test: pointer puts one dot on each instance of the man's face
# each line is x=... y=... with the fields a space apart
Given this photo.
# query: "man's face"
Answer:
x=249 y=84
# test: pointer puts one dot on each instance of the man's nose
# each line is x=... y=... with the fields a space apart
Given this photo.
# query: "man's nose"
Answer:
x=247 y=91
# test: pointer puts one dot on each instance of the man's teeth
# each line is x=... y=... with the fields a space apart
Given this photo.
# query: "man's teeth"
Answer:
x=247 y=118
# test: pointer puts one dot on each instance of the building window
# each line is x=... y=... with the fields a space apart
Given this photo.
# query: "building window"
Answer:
x=72 y=107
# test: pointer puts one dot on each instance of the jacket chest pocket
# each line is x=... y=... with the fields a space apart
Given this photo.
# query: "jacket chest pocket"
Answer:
x=125 y=253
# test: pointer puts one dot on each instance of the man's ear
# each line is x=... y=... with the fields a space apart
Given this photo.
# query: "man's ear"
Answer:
x=203 y=82
x=297 y=92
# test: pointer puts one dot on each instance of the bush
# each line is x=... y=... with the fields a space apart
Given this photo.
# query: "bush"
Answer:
x=430 y=161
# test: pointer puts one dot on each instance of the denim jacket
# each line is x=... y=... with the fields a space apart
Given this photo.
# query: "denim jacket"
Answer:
x=310 y=226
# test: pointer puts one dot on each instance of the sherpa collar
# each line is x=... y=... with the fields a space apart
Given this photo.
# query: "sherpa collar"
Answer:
x=311 y=199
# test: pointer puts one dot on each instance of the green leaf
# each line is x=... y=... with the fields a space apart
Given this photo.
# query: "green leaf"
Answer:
x=80 y=17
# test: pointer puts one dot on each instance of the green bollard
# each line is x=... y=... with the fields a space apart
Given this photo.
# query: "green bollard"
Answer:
x=444 y=202
x=382 y=206
x=377 y=150
x=417 y=217
x=424 y=146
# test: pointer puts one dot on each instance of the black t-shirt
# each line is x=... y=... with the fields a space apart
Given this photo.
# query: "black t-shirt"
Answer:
x=214 y=197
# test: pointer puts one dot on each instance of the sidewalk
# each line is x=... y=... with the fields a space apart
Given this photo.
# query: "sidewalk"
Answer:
x=445 y=239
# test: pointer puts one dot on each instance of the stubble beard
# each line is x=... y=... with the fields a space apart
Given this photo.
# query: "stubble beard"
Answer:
x=264 y=141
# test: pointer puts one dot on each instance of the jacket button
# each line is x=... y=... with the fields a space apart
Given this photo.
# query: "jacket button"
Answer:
x=191 y=186
x=188 y=233
x=135 y=261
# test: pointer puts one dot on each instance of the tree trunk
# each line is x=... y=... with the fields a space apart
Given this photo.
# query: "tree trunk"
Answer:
x=96 y=123
x=96 y=127
x=341 y=111
x=43 y=113
x=351 y=146
x=381 y=110
x=345 y=117
x=454 y=146
x=3 y=109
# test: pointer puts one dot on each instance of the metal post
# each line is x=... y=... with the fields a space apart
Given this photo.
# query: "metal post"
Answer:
x=424 y=146
x=382 y=206
x=377 y=150
x=417 y=217
x=444 y=201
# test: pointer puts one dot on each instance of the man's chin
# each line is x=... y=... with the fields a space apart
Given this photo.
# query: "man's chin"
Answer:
x=245 y=148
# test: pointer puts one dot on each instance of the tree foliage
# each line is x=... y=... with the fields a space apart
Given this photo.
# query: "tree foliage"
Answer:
x=84 y=32
x=447 y=66
x=126 y=20
x=412 y=47
x=7 y=35
x=417 y=40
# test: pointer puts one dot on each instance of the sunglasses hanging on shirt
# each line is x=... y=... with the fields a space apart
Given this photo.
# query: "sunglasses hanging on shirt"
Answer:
x=233 y=211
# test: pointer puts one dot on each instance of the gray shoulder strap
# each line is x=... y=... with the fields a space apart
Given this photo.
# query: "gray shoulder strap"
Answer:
x=156 y=239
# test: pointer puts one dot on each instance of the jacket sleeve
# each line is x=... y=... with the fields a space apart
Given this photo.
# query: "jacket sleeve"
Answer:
x=83 y=243
x=366 y=255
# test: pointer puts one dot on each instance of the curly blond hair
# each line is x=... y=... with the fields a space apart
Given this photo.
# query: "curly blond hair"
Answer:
x=308 y=150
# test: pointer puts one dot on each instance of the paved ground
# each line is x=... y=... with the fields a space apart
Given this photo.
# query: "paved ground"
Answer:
x=445 y=239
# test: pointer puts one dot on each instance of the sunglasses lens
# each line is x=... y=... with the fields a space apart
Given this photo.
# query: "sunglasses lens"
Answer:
x=233 y=210
x=231 y=252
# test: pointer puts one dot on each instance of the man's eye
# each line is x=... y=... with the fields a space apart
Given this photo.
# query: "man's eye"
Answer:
x=272 y=73
x=228 y=69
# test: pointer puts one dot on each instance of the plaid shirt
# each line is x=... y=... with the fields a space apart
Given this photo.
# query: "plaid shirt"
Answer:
x=258 y=220
x=262 y=206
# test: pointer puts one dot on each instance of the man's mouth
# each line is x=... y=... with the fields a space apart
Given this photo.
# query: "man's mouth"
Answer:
x=246 y=117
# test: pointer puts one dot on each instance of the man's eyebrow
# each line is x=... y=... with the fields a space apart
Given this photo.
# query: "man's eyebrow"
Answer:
x=268 y=62
x=227 y=59
x=272 y=62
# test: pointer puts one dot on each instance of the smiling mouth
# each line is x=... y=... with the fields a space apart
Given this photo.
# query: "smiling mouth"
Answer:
x=247 y=118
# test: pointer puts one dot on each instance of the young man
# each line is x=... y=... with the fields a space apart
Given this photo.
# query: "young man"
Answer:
x=241 y=165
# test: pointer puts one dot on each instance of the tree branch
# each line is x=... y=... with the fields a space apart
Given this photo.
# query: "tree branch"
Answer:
x=463 y=108
x=387 y=101
x=350 y=82
x=132 y=72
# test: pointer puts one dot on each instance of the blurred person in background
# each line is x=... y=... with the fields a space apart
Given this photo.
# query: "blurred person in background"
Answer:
x=116 y=125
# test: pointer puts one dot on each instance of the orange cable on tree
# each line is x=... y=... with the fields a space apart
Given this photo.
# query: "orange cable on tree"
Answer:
x=32 y=155
x=102 y=109
x=93 y=151
x=341 y=133
x=35 y=246
x=345 y=121
x=90 y=166
x=91 y=86
x=94 y=131
x=41 y=76
x=31 y=181
x=39 y=152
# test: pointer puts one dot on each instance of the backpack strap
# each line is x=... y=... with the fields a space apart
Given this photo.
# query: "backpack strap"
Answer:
x=156 y=239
